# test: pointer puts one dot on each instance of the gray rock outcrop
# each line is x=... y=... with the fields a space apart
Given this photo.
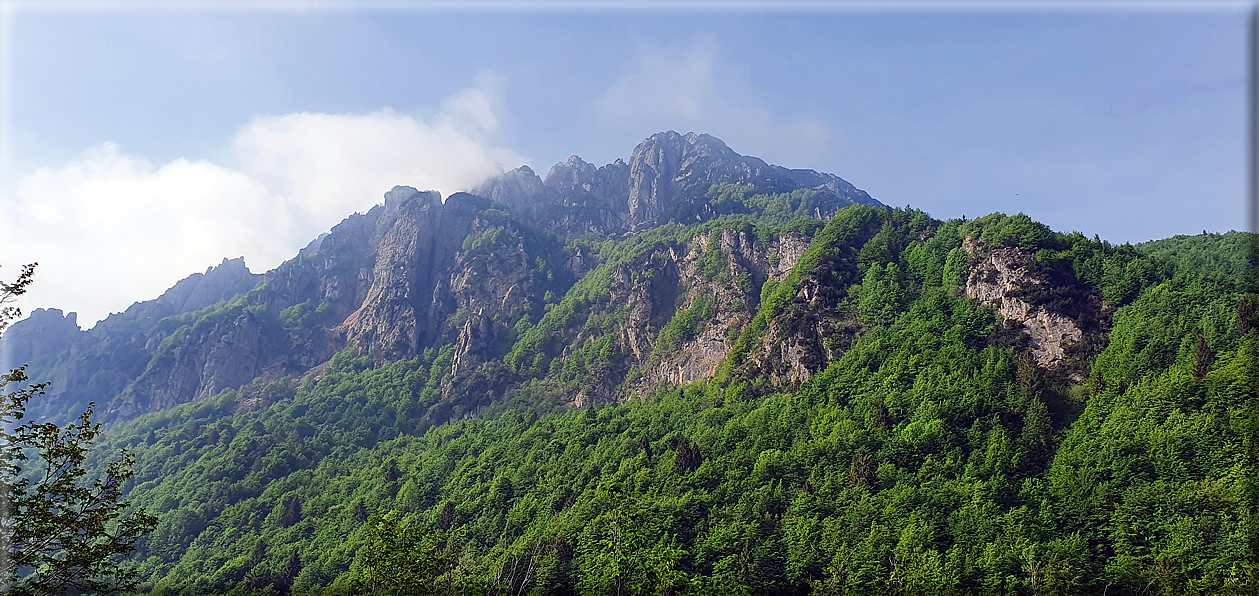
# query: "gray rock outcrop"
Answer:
x=1008 y=279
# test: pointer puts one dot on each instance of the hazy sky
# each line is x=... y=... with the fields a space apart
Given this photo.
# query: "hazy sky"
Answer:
x=141 y=145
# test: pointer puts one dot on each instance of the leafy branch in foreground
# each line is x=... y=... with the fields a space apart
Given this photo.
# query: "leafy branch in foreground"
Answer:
x=58 y=533
x=10 y=291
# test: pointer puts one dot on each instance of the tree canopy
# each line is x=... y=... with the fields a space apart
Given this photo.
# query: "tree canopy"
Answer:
x=933 y=456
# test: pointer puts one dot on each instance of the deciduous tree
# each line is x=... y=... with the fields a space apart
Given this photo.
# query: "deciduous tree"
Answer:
x=61 y=530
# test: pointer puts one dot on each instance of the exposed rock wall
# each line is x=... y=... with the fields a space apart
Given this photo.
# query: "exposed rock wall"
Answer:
x=1011 y=280
x=225 y=355
x=735 y=296
x=398 y=279
x=392 y=319
x=368 y=283
x=482 y=292
x=43 y=334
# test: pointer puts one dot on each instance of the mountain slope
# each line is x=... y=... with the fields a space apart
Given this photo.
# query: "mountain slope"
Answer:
x=933 y=447
x=690 y=372
x=99 y=364
x=413 y=274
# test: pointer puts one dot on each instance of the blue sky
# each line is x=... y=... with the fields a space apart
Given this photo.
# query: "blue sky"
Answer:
x=143 y=145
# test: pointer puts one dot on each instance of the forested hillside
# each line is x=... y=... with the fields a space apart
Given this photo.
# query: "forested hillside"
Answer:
x=768 y=400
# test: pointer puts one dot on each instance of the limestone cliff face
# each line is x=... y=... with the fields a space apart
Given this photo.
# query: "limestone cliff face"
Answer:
x=579 y=183
x=811 y=330
x=422 y=236
x=668 y=166
x=802 y=340
x=701 y=294
x=369 y=284
x=227 y=354
x=575 y=199
x=1046 y=303
x=735 y=294
x=520 y=190
x=489 y=287
x=585 y=199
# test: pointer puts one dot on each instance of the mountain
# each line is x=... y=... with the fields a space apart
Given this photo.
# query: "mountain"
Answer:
x=100 y=363
x=666 y=179
x=691 y=372
x=411 y=274
x=906 y=404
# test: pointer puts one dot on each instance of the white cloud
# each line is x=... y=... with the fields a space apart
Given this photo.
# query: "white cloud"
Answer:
x=688 y=91
x=109 y=228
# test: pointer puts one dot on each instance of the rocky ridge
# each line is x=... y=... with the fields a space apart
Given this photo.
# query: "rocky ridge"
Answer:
x=473 y=274
x=88 y=365
x=416 y=272
x=665 y=179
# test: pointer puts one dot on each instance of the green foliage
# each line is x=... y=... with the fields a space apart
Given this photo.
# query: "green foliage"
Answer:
x=713 y=263
x=588 y=359
x=635 y=558
x=830 y=253
x=685 y=325
x=10 y=291
x=1018 y=231
x=402 y=559
x=882 y=298
x=61 y=530
x=798 y=210
x=488 y=240
x=299 y=316
x=932 y=457
x=725 y=194
x=589 y=298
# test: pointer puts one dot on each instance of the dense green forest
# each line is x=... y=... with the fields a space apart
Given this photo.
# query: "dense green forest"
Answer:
x=934 y=456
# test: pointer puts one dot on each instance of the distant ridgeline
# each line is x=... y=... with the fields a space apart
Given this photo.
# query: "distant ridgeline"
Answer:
x=690 y=373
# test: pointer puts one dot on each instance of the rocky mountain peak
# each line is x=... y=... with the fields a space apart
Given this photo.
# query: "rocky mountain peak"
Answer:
x=228 y=267
x=706 y=144
x=43 y=332
x=398 y=196
x=666 y=177
x=690 y=143
x=412 y=273
x=668 y=166
x=98 y=364
x=520 y=190
x=572 y=174
x=199 y=290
